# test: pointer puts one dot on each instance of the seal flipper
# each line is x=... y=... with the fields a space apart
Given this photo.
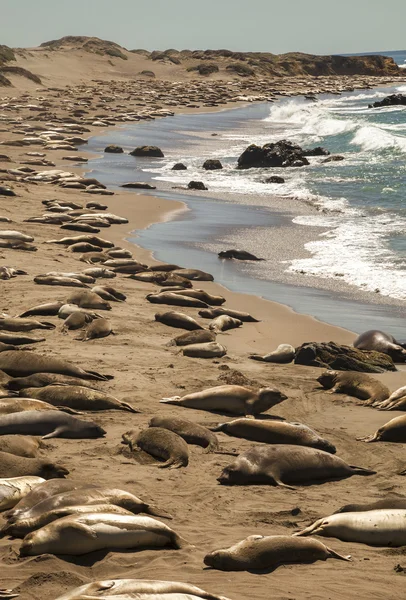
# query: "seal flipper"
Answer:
x=82 y=528
x=53 y=434
x=361 y=471
x=279 y=483
x=7 y=594
x=130 y=408
x=172 y=400
x=157 y=512
x=334 y=554
x=313 y=529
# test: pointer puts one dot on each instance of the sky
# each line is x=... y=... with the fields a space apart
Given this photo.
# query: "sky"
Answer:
x=313 y=26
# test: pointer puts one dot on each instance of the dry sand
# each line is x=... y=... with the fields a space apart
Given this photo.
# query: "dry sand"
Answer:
x=210 y=516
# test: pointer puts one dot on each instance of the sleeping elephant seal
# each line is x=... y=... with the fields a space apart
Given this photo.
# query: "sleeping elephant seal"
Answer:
x=275 y=432
x=80 y=534
x=98 y=328
x=89 y=495
x=192 y=433
x=19 y=466
x=389 y=502
x=199 y=294
x=177 y=319
x=212 y=313
x=283 y=354
x=19 y=340
x=160 y=443
x=49 y=424
x=109 y=293
x=199 y=336
x=396 y=401
x=385 y=527
x=193 y=274
x=76 y=320
x=14 y=489
x=207 y=350
x=21 y=445
x=88 y=299
x=393 y=431
x=12 y=405
x=238 y=255
x=21 y=364
x=150 y=588
x=266 y=553
x=42 y=379
x=18 y=324
x=381 y=342
x=353 y=383
x=224 y=323
x=175 y=300
x=50 y=309
x=233 y=399
x=77 y=397
x=284 y=464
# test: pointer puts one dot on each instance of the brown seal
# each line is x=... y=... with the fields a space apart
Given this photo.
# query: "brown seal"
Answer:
x=88 y=299
x=266 y=553
x=224 y=323
x=18 y=466
x=199 y=336
x=282 y=464
x=381 y=342
x=98 y=328
x=77 y=397
x=21 y=445
x=192 y=433
x=178 y=319
x=160 y=443
x=76 y=320
x=283 y=354
x=207 y=350
x=353 y=383
x=212 y=313
x=175 y=300
x=49 y=424
x=393 y=431
x=17 y=324
x=109 y=293
x=388 y=502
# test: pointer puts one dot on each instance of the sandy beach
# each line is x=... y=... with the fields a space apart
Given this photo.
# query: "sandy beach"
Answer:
x=145 y=368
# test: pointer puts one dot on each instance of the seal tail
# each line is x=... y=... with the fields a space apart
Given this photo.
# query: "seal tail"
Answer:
x=157 y=512
x=311 y=530
x=129 y=408
x=218 y=427
x=361 y=471
x=47 y=325
x=96 y=375
x=172 y=400
x=256 y=357
x=334 y=554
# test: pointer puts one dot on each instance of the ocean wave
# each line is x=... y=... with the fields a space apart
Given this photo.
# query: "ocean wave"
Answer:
x=356 y=251
x=374 y=138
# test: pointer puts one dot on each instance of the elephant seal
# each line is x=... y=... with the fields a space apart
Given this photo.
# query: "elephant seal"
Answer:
x=49 y=309
x=353 y=383
x=21 y=364
x=238 y=254
x=5 y=347
x=389 y=502
x=19 y=340
x=199 y=336
x=76 y=320
x=177 y=319
x=396 y=401
x=200 y=295
x=23 y=527
x=68 y=309
x=381 y=342
x=83 y=278
x=8 y=234
x=224 y=323
x=49 y=424
x=21 y=445
x=275 y=432
x=283 y=354
x=18 y=245
x=87 y=239
x=192 y=433
x=43 y=379
x=77 y=397
x=160 y=443
x=99 y=328
x=266 y=553
x=165 y=267
x=14 y=489
x=212 y=313
x=384 y=527
x=82 y=247
x=63 y=281
x=87 y=299
x=17 y=324
x=207 y=350
x=151 y=589
x=80 y=534
x=193 y=274
x=87 y=495
x=19 y=466
x=233 y=399
x=117 y=252
x=9 y=272
x=284 y=464
x=9 y=406
x=45 y=490
x=100 y=273
x=175 y=300
x=109 y=293
x=393 y=431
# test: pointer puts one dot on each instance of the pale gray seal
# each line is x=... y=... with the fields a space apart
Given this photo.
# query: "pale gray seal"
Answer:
x=353 y=383
x=233 y=399
x=177 y=319
x=14 y=489
x=384 y=527
x=20 y=364
x=212 y=313
x=284 y=464
x=200 y=295
x=77 y=397
x=275 y=432
x=224 y=323
x=63 y=281
x=49 y=424
x=284 y=353
x=207 y=350
x=393 y=431
x=19 y=466
x=381 y=342
x=266 y=553
x=175 y=300
x=192 y=433
x=388 y=502
x=80 y=534
x=76 y=320
x=396 y=401
x=160 y=443
x=87 y=239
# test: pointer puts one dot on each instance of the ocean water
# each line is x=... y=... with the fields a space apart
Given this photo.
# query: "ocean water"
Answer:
x=357 y=224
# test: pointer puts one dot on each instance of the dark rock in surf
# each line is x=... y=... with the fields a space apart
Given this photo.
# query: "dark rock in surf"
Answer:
x=392 y=100
x=280 y=154
x=343 y=358
x=212 y=164
x=149 y=151
x=274 y=179
x=138 y=185
x=179 y=167
x=196 y=185
x=333 y=158
x=318 y=151
x=112 y=149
